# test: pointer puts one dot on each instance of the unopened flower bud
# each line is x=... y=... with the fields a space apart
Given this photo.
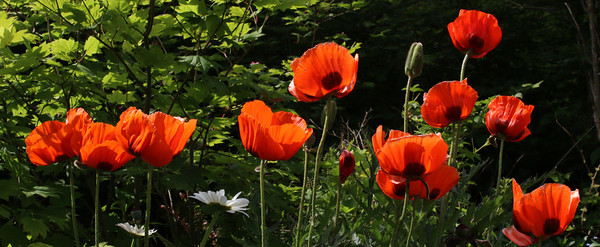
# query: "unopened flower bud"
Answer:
x=414 y=60
x=346 y=165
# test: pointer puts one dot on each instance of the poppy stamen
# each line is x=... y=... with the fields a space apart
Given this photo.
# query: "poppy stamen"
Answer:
x=551 y=226
x=332 y=80
x=453 y=113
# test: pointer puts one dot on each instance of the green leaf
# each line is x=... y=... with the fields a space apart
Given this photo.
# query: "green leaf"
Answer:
x=43 y=191
x=63 y=49
x=120 y=98
x=92 y=46
x=114 y=80
x=10 y=234
x=34 y=226
x=203 y=63
x=9 y=188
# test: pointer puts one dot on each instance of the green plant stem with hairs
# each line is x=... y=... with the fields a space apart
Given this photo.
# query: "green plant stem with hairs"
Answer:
x=148 y=205
x=209 y=230
x=406 y=99
x=263 y=224
x=318 y=158
x=398 y=219
x=73 y=213
x=500 y=165
x=337 y=204
x=301 y=207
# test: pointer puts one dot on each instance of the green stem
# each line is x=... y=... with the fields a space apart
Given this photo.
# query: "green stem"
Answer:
x=500 y=165
x=306 y=156
x=539 y=242
x=97 y=209
x=337 y=204
x=209 y=230
x=454 y=147
x=319 y=155
x=397 y=213
x=406 y=99
x=406 y=199
x=442 y=219
x=412 y=219
x=148 y=205
x=464 y=65
x=73 y=214
x=263 y=224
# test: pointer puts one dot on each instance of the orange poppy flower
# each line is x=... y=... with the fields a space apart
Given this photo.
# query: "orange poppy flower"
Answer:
x=448 y=102
x=508 y=118
x=44 y=143
x=546 y=211
x=409 y=155
x=174 y=130
x=327 y=68
x=347 y=164
x=77 y=119
x=101 y=150
x=137 y=134
x=475 y=31
x=271 y=136
x=440 y=182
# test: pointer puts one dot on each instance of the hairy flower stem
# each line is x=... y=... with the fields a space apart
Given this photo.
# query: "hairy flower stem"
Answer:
x=301 y=207
x=148 y=205
x=319 y=156
x=406 y=99
x=454 y=147
x=209 y=230
x=97 y=209
x=500 y=165
x=464 y=64
x=337 y=204
x=73 y=214
x=263 y=224
x=412 y=219
x=398 y=219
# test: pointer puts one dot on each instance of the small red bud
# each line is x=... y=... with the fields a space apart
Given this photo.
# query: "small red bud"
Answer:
x=346 y=165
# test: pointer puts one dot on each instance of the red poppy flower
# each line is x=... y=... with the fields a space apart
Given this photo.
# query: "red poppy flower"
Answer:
x=271 y=136
x=508 y=118
x=448 y=102
x=77 y=119
x=347 y=164
x=327 y=68
x=395 y=189
x=174 y=130
x=475 y=31
x=546 y=211
x=101 y=150
x=137 y=134
x=44 y=143
x=439 y=181
x=409 y=155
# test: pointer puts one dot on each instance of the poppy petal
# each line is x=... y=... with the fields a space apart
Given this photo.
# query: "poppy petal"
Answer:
x=517 y=237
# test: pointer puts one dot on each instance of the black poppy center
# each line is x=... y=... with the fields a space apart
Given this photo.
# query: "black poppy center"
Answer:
x=476 y=42
x=332 y=80
x=501 y=125
x=453 y=113
x=551 y=226
x=105 y=166
x=414 y=169
x=434 y=193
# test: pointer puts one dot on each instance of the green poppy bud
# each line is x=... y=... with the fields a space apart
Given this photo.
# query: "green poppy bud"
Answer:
x=414 y=60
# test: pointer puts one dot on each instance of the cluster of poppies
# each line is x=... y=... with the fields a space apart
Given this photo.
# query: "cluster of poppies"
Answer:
x=156 y=138
x=418 y=162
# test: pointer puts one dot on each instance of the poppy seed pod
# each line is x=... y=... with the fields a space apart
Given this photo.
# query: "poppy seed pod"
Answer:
x=347 y=164
x=414 y=60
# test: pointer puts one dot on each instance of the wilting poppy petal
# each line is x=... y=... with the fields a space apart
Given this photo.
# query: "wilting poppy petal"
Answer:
x=475 y=31
x=174 y=131
x=448 y=102
x=546 y=211
x=347 y=164
x=518 y=237
x=324 y=69
x=508 y=118
x=276 y=138
x=414 y=155
x=44 y=143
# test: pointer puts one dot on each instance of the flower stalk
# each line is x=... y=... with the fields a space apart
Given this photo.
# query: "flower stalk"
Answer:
x=209 y=230
x=97 y=209
x=337 y=204
x=73 y=213
x=263 y=224
x=301 y=207
x=148 y=205
x=328 y=120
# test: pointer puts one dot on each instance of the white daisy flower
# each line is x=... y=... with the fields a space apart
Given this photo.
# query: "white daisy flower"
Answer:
x=218 y=198
x=135 y=230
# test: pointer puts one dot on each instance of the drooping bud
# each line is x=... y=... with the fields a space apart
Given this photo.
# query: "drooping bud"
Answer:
x=414 y=60
x=346 y=165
